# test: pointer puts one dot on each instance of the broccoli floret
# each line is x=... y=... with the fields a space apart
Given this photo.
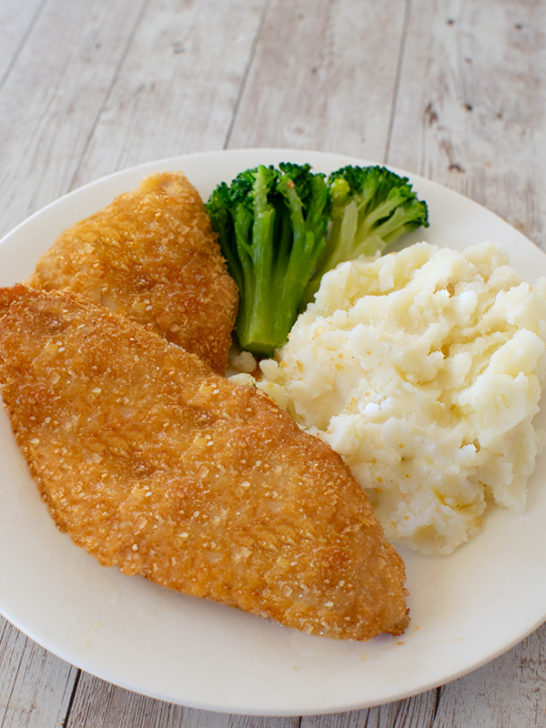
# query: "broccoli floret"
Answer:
x=271 y=226
x=281 y=229
x=371 y=208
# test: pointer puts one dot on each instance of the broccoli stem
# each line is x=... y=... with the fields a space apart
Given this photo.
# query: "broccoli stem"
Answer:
x=308 y=241
x=254 y=328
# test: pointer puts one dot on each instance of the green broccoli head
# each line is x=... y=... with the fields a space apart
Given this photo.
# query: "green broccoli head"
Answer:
x=372 y=207
x=281 y=228
x=271 y=224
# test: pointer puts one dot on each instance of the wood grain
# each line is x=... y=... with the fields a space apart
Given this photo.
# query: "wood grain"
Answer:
x=471 y=108
x=35 y=686
x=50 y=97
x=177 y=85
x=451 y=89
x=322 y=77
x=16 y=22
x=98 y=704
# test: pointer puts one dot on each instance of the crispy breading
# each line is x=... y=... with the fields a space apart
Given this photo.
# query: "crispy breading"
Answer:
x=152 y=256
x=154 y=463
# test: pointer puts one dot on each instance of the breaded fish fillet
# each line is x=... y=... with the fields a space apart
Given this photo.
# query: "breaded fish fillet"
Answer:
x=152 y=256
x=154 y=463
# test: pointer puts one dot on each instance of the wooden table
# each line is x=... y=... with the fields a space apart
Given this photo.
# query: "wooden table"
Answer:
x=451 y=89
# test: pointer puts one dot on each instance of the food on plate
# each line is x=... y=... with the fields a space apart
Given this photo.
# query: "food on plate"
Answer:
x=282 y=228
x=271 y=225
x=156 y=464
x=372 y=207
x=152 y=256
x=424 y=370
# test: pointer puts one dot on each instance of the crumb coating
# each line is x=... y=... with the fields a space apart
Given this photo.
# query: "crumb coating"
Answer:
x=152 y=256
x=154 y=463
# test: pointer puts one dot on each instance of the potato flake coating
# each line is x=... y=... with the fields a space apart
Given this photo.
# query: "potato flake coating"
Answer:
x=154 y=463
x=152 y=256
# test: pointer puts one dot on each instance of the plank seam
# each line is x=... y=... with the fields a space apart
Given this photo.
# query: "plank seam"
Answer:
x=246 y=73
x=22 y=43
x=407 y=16
x=16 y=676
x=108 y=93
x=71 y=699
x=437 y=698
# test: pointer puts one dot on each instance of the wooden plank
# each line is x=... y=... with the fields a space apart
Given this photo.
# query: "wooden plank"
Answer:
x=176 y=90
x=50 y=98
x=16 y=22
x=507 y=692
x=417 y=712
x=100 y=705
x=310 y=85
x=35 y=686
x=470 y=109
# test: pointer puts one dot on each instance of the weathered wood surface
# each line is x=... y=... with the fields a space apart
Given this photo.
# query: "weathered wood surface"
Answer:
x=449 y=89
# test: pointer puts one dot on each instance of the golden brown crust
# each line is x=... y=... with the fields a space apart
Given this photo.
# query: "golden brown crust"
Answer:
x=154 y=463
x=152 y=256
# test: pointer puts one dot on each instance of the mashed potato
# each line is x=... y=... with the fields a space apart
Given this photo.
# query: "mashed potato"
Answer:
x=423 y=369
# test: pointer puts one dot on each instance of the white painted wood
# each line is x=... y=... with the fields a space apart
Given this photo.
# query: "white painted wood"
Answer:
x=51 y=96
x=323 y=77
x=176 y=88
x=452 y=89
x=99 y=705
x=35 y=686
x=471 y=105
x=16 y=21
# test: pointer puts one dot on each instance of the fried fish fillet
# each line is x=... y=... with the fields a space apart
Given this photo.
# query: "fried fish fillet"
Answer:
x=156 y=464
x=152 y=256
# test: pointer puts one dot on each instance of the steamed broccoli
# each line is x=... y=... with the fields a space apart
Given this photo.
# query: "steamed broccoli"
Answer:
x=271 y=225
x=371 y=208
x=281 y=229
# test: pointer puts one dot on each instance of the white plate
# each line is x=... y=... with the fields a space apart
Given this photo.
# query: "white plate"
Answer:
x=466 y=609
